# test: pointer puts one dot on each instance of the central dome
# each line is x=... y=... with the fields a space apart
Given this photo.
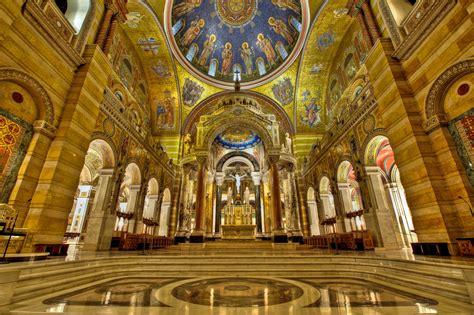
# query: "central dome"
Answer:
x=236 y=13
x=220 y=40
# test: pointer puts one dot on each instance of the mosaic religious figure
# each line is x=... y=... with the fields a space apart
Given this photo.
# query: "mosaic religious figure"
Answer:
x=265 y=45
x=185 y=7
x=283 y=91
x=207 y=50
x=281 y=29
x=192 y=32
x=192 y=92
x=312 y=114
x=246 y=55
x=227 y=58
x=287 y=4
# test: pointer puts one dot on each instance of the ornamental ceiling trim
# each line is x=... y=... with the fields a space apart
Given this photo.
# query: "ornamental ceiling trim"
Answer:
x=209 y=104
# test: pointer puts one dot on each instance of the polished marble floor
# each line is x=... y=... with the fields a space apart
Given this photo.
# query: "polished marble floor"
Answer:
x=236 y=295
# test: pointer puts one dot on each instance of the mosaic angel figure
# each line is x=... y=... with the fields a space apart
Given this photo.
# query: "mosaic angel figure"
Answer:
x=246 y=55
x=207 y=50
x=185 y=7
x=281 y=29
x=227 y=57
x=265 y=45
x=192 y=32
x=287 y=4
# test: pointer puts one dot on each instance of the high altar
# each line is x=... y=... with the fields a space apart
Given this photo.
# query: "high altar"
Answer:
x=238 y=221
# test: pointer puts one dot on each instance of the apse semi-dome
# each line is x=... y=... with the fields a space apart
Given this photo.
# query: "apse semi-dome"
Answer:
x=217 y=40
x=238 y=138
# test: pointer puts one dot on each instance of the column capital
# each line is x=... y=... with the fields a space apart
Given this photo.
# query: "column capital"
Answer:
x=371 y=170
x=135 y=187
x=106 y=172
x=256 y=178
x=219 y=178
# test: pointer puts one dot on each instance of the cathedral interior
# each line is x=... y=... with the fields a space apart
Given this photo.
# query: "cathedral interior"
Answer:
x=237 y=156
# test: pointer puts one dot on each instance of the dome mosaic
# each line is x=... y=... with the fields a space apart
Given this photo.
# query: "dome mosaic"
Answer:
x=237 y=138
x=222 y=40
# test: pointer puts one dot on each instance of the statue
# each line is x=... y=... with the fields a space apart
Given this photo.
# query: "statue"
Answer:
x=187 y=144
x=237 y=178
x=288 y=142
x=229 y=195
x=247 y=196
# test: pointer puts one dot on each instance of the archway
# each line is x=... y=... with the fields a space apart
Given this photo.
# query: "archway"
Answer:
x=379 y=155
x=150 y=211
x=128 y=199
x=327 y=204
x=165 y=213
x=92 y=194
x=313 y=212
x=351 y=198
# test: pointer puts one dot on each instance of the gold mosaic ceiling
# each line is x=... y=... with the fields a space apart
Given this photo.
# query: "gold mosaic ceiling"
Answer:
x=300 y=90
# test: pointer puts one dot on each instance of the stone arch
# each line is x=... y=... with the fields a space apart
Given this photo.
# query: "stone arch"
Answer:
x=41 y=97
x=134 y=172
x=324 y=185
x=343 y=171
x=313 y=211
x=108 y=149
x=204 y=106
x=434 y=109
x=243 y=156
x=368 y=138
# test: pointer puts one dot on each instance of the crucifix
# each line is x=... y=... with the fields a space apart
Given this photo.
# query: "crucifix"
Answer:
x=237 y=178
x=237 y=80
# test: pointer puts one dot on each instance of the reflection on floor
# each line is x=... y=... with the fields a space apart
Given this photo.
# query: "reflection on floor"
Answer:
x=262 y=295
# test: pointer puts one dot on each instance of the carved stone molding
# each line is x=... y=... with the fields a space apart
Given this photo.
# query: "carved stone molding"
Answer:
x=434 y=108
x=34 y=87
x=46 y=18
x=45 y=128
x=418 y=25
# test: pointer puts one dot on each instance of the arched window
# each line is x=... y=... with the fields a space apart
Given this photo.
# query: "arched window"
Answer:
x=75 y=11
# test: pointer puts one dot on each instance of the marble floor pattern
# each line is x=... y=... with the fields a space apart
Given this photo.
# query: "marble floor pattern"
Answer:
x=236 y=295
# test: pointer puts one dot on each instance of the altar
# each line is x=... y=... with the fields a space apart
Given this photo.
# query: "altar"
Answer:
x=238 y=232
x=239 y=221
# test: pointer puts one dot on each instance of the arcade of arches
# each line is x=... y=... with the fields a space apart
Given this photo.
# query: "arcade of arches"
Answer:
x=262 y=125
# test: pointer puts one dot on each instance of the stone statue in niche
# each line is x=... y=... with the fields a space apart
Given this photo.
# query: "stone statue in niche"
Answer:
x=288 y=143
x=187 y=144
x=247 y=196
x=229 y=195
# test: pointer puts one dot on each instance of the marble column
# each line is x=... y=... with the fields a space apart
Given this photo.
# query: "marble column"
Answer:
x=403 y=214
x=111 y=34
x=256 y=178
x=370 y=20
x=210 y=193
x=183 y=203
x=297 y=235
x=279 y=235
x=365 y=30
x=379 y=219
x=132 y=203
x=219 y=181
x=104 y=27
x=100 y=225
x=197 y=236
x=346 y=198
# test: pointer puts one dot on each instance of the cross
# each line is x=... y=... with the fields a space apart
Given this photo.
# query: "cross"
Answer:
x=237 y=74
